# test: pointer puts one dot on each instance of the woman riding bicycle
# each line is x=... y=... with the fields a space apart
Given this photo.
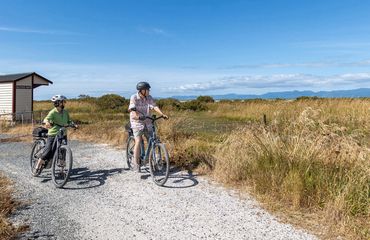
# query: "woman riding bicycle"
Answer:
x=143 y=103
x=56 y=118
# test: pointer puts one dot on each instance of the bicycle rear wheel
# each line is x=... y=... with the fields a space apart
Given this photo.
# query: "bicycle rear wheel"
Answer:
x=37 y=148
x=159 y=164
x=130 y=152
x=62 y=166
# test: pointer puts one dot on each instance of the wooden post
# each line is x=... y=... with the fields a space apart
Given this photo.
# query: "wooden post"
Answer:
x=265 y=119
x=32 y=119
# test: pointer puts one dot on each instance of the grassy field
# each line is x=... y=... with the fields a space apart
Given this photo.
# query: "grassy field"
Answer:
x=308 y=162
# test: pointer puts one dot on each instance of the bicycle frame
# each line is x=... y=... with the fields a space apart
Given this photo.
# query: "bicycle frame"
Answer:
x=59 y=140
x=152 y=139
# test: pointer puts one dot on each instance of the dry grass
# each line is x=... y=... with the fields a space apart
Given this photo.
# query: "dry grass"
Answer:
x=309 y=164
x=305 y=165
x=349 y=113
x=7 y=206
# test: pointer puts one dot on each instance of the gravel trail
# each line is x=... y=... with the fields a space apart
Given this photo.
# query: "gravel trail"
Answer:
x=103 y=200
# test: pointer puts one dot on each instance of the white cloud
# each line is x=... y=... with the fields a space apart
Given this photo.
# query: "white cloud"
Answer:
x=97 y=79
x=36 y=31
x=279 y=81
x=331 y=44
x=153 y=30
x=322 y=64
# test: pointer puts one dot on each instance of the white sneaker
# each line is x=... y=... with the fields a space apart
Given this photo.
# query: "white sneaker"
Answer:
x=136 y=168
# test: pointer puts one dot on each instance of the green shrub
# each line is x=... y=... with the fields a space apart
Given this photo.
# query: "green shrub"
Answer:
x=194 y=105
x=168 y=103
x=226 y=101
x=205 y=99
x=112 y=102
x=303 y=98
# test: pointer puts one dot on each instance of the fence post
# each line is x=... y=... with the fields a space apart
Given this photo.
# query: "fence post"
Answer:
x=32 y=119
x=264 y=119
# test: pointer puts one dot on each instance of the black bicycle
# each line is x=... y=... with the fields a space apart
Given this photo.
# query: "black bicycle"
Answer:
x=155 y=154
x=62 y=160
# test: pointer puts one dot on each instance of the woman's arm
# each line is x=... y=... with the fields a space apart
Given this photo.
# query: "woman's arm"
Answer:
x=160 y=112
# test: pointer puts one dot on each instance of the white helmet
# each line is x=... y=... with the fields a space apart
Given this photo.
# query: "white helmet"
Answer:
x=58 y=97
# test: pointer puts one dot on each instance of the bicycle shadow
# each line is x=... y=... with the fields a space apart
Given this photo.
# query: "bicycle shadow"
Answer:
x=178 y=178
x=84 y=178
x=36 y=235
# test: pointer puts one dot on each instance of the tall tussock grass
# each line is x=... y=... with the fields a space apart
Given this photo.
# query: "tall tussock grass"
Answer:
x=186 y=149
x=303 y=163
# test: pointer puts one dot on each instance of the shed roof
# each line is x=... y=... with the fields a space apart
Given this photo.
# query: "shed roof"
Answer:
x=19 y=76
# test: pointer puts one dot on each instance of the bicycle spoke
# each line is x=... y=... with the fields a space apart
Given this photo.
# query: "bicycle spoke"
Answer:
x=62 y=166
x=159 y=164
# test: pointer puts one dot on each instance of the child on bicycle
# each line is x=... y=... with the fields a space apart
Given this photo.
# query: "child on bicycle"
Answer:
x=57 y=117
x=141 y=103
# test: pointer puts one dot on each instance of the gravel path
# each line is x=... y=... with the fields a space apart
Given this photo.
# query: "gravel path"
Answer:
x=104 y=200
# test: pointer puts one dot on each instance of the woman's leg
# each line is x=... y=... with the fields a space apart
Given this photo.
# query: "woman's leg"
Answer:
x=45 y=155
x=137 y=152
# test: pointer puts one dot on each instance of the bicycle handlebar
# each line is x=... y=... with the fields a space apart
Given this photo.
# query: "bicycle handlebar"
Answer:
x=154 y=118
x=66 y=126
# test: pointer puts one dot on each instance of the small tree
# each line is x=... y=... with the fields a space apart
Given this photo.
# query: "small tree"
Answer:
x=194 y=105
x=206 y=99
x=169 y=103
x=111 y=102
x=83 y=96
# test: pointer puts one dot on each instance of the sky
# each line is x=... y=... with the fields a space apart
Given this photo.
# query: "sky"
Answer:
x=187 y=47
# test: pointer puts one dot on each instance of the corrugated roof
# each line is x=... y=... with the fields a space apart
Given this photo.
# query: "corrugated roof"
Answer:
x=13 y=77
x=18 y=76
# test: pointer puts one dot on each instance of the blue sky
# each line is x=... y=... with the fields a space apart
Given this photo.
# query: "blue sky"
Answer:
x=187 y=47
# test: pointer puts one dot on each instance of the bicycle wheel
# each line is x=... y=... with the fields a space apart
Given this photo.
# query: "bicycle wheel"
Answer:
x=37 y=148
x=61 y=166
x=130 y=152
x=159 y=164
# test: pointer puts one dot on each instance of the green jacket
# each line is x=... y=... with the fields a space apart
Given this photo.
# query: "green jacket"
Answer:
x=54 y=117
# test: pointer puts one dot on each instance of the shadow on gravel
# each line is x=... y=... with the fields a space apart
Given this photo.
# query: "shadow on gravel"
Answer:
x=178 y=179
x=37 y=235
x=83 y=178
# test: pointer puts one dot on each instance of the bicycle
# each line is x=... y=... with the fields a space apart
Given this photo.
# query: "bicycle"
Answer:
x=62 y=160
x=156 y=153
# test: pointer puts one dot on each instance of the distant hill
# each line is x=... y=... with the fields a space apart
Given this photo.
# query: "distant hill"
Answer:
x=355 y=93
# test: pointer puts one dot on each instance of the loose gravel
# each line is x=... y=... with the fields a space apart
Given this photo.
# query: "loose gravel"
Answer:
x=104 y=200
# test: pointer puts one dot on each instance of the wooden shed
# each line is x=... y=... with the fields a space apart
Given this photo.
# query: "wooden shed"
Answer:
x=16 y=93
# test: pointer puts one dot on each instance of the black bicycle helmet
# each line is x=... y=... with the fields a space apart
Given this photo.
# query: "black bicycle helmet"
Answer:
x=142 y=86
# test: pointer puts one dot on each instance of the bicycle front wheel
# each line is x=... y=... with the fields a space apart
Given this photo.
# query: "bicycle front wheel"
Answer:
x=62 y=166
x=159 y=164
x=37 y=148
x=130 y=151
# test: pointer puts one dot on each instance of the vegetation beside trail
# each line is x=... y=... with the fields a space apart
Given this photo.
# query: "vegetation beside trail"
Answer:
x=308 y=157
x=7 y=206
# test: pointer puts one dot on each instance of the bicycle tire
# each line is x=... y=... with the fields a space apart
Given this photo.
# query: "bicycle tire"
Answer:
x=159 y=164
x=60 y=177
x=37 y=146
x=130 y=151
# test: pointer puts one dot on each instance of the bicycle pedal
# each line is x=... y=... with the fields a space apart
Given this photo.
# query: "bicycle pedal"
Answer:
x=61 y=163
